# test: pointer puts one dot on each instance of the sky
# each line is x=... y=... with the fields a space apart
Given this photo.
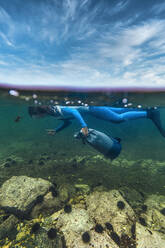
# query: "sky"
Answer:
x=82 y=43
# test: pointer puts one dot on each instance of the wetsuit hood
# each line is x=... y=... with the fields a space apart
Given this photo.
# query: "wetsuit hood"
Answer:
x=36 y=110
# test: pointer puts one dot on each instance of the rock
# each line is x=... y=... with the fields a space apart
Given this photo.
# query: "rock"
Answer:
x=20 y=193
x=48 y=206
x=156 y=201
x=147 y=238
x=42 y=240
x=97 y=241
x=74 y=224
x=154 y=219
x=65 y=192
x=83 y=188
x=52 y=204
x=3 y=217
x=99 y=188
x=77 y=221
x=105 y=207
x=8 y=227
x=116 y=163
x=154 y=215
x=126 y=163
x=133 y=197
x=56 y=215
x=22 y=235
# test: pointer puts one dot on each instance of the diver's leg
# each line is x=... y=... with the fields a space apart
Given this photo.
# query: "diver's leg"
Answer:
x=154 y=115
x=132 y=115
x=107 y=114
x=123 y=110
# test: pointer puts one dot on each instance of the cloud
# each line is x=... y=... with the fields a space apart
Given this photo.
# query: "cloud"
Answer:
x=84 y=3
x=4 y=17
x=128 y=45
x=60 y=22
x=120 y=6
x=5 y=39
x=3 y=63
x=73 y=22
x=70 y=9
x=6 y=27
x=139 y=34
x=77 y=73
x=158 y=8
x=11 y=29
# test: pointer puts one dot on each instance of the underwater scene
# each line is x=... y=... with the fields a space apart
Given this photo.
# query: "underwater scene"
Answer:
x=81 y=170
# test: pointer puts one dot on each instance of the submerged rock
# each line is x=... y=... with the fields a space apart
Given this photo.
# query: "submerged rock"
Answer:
x=20 y=193
x=155 y=214
x=75 y=224
x=111 y=207
x=48 y=206
x=147 y=238
x=42 y=240
x=66 y=191
x=96 y=240
x=8 y=227
x=133 y=197
x=156 y=201
x=77 y=221
x=83 y=188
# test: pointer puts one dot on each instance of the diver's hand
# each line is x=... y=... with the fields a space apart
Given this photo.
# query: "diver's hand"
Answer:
x=84 y=130
x=51 y=131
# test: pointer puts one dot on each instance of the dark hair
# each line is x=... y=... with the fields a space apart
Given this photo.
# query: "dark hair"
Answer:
x=35 y=110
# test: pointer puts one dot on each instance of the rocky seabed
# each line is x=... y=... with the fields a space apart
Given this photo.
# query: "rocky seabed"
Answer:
x=34 y=213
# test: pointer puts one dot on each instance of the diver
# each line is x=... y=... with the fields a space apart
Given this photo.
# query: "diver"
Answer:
x=111 y=114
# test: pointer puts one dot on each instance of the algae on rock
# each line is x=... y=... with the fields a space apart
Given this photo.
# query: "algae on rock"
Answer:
x=102 y=207
x=19 y=194
x=148 y=238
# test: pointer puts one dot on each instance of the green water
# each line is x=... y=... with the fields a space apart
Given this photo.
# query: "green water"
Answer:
x=27 y=140
x=26 y=148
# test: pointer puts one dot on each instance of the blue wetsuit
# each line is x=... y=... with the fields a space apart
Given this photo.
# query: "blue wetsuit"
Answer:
x=111 y=114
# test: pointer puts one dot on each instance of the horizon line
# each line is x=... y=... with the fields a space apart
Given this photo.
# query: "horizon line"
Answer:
x=82 y=89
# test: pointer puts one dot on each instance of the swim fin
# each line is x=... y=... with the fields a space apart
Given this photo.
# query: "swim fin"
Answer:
x=154 y=115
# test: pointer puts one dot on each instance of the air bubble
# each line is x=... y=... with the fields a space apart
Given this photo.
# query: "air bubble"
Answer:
x=34 y=96
x=124 y=100
x=13 y=93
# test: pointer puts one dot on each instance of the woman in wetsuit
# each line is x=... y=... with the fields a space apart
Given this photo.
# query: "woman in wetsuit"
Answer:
x=111 y=114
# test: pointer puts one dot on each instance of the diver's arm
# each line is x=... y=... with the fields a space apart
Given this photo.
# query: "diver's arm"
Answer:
x=63 y=125
x=75 y=113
